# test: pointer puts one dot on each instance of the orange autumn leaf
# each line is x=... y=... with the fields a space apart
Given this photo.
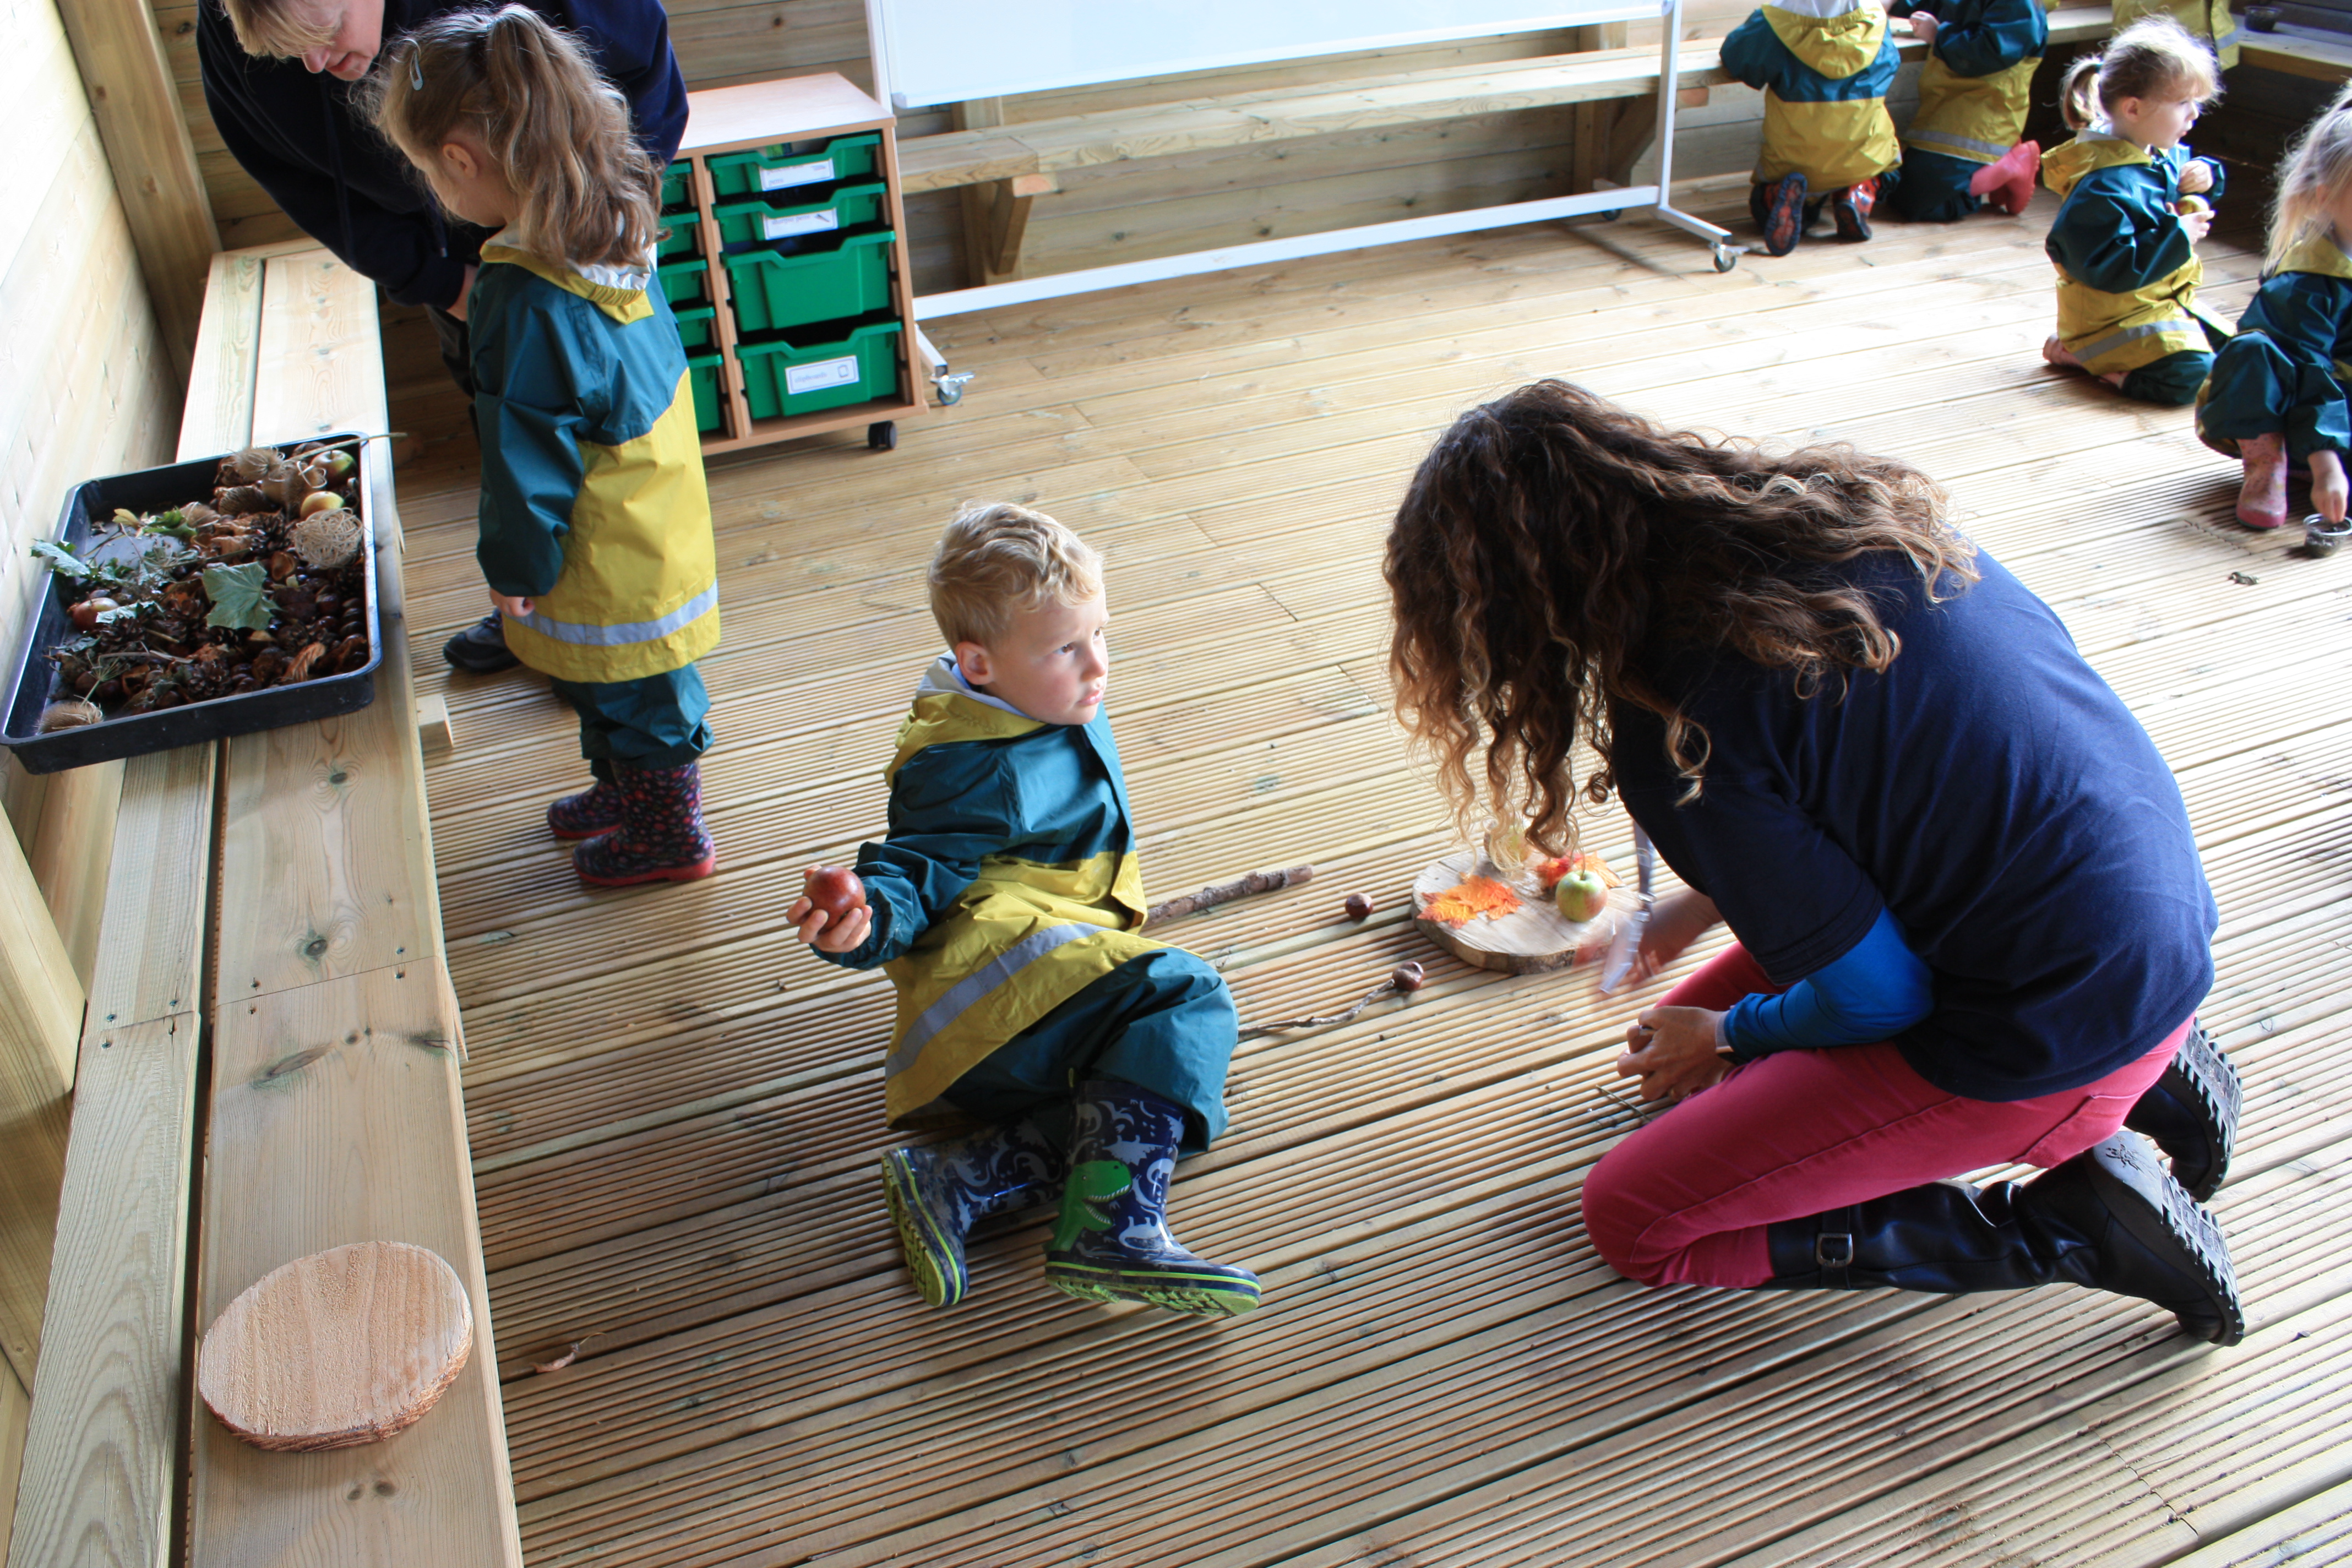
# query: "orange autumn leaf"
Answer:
x=1479 y=896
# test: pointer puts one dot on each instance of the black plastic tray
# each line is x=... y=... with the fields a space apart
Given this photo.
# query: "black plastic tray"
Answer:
x=151 y=491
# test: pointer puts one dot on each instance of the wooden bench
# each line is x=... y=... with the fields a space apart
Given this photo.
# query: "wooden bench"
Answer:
x=1615 y=89
x=271 y=991
x=2303 y=52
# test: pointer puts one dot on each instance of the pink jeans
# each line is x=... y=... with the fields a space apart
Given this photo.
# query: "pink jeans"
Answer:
x=1684 y=1200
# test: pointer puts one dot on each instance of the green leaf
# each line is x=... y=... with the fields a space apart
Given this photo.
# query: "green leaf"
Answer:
x=60 y=560
x=240 y=597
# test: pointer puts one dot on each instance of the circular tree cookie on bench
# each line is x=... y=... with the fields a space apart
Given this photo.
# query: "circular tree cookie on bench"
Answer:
x=344 y=1347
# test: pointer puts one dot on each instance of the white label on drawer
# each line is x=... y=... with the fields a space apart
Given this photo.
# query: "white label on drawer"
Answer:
x=803 y=379
x=800 y=223
x=815 y=174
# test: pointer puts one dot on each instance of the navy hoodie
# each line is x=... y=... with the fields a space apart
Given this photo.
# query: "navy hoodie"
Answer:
x=297 y=135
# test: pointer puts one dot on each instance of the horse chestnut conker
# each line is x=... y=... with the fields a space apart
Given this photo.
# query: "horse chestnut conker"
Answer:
x=1360 y=908
x=835 y=891
x=1407 y=976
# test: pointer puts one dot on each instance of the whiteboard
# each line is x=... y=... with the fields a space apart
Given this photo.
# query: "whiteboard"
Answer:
x=945 y=51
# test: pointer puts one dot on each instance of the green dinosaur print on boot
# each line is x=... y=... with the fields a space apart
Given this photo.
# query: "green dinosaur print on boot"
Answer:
x=1095 y=1182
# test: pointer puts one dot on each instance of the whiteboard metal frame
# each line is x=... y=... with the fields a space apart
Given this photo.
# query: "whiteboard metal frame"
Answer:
x=1652 y=199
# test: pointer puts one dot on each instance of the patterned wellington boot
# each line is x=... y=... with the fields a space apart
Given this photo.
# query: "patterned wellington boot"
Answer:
x=1112 y=1243
x=661 y=837
x=2193 y=1113
x=2261 y=498
x=937 y=1193
x=594 y=810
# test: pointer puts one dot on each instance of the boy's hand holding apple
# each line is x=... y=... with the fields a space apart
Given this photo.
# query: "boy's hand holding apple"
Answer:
x=831 y=911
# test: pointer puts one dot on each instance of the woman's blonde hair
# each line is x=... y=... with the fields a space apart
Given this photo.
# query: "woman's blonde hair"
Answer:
x=997 y=560
x=2316 y=170
x=1554 y=550
x=587 y=191
x=2156 y=56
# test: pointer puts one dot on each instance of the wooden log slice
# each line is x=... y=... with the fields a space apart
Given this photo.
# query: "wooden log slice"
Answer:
x=344 y=1347
x=1531 y=939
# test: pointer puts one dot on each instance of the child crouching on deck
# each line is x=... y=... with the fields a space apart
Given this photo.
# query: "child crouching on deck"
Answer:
x=2124 y=239
x=1005 y=904
x=595 y=526
x=1824 y=67
x=2277 y=388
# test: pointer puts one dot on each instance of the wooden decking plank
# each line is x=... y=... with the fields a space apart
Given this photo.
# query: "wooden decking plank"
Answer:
x=2313 y=1532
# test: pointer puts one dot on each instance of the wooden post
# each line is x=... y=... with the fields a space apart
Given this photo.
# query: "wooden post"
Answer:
x=40 y=1017
x=1593 y=123
x=137 y=106
x=996 y=212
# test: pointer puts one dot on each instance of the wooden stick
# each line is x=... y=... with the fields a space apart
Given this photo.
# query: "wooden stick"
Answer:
x=1227 y=892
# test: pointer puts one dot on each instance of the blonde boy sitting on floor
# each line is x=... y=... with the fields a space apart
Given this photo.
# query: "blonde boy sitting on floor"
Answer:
x=1004 y=904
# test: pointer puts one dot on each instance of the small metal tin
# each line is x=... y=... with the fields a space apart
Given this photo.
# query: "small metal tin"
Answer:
x=2320 y=537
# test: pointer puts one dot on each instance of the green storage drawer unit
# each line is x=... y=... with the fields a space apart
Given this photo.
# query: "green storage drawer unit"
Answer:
x=685 y=283
x=793 y=215
x=830 y=365
x=677 y=185
x=703 y=372
x=685 y=235
x=789 y=163
x=849 y=277
x=694 y=325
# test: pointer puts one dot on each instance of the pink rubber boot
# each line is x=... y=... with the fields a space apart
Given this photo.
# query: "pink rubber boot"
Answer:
x=2007 y=182
x=2261 y=499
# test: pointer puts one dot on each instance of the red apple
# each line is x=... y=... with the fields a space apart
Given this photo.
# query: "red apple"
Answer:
x=1580 y=895
x=835 y=891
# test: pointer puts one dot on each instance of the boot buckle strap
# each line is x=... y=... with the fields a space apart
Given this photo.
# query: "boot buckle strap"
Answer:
x=1834 y=1250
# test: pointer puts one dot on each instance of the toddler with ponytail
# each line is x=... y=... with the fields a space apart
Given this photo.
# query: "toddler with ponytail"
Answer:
x=596 y=524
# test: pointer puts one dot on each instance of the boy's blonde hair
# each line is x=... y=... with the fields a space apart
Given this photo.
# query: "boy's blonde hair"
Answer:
x=2156 y=56
x=270 y=29
x=588 y=193
x=2314 y=171
x=998 y=559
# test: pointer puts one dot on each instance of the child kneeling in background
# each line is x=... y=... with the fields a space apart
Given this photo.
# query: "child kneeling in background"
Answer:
x=1963 y=148
x=2277 y=388
x=1824 y=67
x=595 y=526
x=1004 y=904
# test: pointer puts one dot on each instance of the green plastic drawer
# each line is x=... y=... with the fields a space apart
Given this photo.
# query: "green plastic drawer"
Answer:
x=677 y=185
x=685 y=235
x=694 y=325
x=821 y=367
x=790 y=163
x=849 y=277
x=791 y=216
x=686 y=282
x=703 y=372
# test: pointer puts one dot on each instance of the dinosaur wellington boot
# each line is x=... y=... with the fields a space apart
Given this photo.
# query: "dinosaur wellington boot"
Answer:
x=661 y=837
x=1112 y=1243
x=2191 y=1112
x=2261 y=498
x=938 y=1192
x=2109 y=1218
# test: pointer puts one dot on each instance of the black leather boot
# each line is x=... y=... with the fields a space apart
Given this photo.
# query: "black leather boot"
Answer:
x=2193 y=1113
x=2110 y=1218
x=939 y=1190
x=1112 y=1243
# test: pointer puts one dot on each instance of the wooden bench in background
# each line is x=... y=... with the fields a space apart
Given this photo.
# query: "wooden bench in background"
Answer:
x=273 y=897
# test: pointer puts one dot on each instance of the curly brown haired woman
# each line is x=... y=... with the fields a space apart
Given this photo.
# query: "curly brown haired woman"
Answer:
x=1971 y=924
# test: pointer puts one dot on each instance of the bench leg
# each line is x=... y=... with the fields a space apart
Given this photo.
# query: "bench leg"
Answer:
x=995 y=222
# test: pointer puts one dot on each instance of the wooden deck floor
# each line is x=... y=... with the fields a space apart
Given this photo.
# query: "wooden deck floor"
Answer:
x=675 y=1111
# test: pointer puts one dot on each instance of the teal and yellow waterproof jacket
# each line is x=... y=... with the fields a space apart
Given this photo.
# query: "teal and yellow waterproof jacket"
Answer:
x=2208 y=19
x=2127 y=271
x=1008 y=884
x=593 y=498
x=1980 y=72
x=2298 y=330
x=1824 y=67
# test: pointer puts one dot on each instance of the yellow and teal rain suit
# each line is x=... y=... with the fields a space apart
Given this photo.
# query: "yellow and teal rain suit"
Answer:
x=2208 y=19
x=1824 y=67
x=2127 y=270
x=1006 y=900
x=2286 y=369
x=593 y=498
x=1972 y=103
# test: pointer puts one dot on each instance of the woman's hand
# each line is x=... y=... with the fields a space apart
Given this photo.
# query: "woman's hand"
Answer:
x=1676 y=921
x=1672 y=1051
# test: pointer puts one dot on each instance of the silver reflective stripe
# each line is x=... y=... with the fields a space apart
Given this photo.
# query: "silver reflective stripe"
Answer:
x=2114 y=340
x=977 y=985
x=1954 y=146
x=589 y=635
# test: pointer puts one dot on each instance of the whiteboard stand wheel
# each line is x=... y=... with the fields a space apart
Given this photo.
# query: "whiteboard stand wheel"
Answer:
x=1726 y=256
x=949 y=389
x=1610 y=215
x=883 y=436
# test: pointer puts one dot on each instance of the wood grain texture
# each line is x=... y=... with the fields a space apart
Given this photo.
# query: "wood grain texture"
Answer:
x=103 y=1452
x=40 y=1016
x=152 y=958
x=16 y=1409
x=70 y=851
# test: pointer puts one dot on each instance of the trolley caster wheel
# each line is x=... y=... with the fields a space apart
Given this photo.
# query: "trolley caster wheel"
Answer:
x=1612 y=215
x=1725 y=258
x=949 y=389
x=882 y=435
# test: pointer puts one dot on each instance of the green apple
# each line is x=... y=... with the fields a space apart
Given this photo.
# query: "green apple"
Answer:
x=1580 y=895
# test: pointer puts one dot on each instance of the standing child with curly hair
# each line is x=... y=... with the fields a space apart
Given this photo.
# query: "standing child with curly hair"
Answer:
x=2133 y=205
x=595 y=526
x=1824 y=67
x=2277 y=388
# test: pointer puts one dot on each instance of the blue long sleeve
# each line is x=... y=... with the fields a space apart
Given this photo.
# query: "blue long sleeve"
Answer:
x=1876 y=989
x=1981 y=39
